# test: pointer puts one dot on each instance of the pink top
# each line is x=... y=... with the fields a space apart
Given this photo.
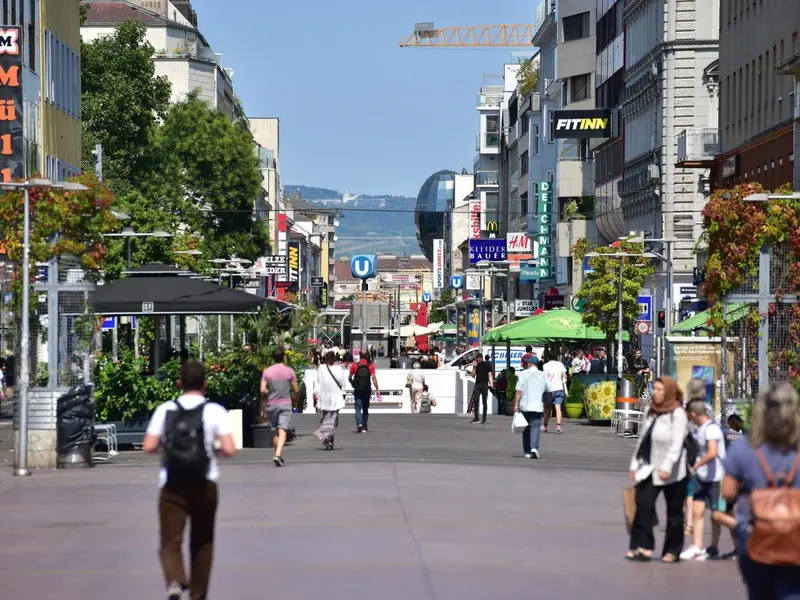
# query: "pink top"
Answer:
x=279 y=380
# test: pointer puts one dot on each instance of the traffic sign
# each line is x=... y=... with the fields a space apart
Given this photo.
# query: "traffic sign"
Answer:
x=426 y=297
x=473 y=283
x=457 y=282
x=643 y=327
x=364 y=266
x=645 y=308
x=109 y=323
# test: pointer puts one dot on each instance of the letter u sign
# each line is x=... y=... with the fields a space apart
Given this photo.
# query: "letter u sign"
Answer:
x=364 y=266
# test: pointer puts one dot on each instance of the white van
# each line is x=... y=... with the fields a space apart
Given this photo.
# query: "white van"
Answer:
x=466 y=359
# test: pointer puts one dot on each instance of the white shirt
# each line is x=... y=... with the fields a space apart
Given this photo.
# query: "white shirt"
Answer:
x=714 y=470
x=554 y=372
x=579 y=365
x=215 y=425
x=329 y=387
x=531 y=384
x=417 y=379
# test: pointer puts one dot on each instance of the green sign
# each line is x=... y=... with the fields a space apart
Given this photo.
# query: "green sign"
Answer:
x=545 y=266
x=577 y=304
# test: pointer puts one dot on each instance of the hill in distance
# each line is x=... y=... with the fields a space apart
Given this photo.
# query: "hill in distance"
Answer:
x=370 y=224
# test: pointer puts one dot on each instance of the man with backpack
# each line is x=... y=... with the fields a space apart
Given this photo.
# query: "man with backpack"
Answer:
x=362 y=378
x=187 y=429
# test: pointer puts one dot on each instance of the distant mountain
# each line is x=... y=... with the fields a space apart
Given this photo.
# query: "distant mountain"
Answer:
x=371 y=224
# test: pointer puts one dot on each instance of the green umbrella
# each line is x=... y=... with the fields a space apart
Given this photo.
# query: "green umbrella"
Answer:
x=550 y=326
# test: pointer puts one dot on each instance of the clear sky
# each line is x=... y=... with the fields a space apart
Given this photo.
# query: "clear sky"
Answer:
x=358 y=112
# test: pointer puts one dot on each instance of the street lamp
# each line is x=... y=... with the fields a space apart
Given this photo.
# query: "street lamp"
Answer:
x=25 y=368
x=621 y=256
x=129 y=234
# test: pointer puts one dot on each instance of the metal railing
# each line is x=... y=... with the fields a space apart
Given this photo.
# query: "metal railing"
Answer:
x=487 y=178
x=490 y=99
x=698 y=144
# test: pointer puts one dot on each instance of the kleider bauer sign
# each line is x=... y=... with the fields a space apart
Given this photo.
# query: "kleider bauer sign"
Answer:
x=487 y=250
x=12 y=149
x=582 y=123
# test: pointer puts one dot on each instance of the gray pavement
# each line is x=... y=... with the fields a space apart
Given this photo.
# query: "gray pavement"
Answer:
x=420 y=507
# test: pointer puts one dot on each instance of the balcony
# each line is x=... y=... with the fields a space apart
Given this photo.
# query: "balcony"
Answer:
x=487 y=143
x=697 y=147
x=490 y=96
x=487 y=179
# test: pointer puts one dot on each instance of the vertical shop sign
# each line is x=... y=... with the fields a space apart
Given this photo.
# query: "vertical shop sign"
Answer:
x=293 y=253
x=544 y=230
x=12 y=149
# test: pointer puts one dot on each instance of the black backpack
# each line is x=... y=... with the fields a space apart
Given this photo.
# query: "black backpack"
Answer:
x=185 y=457
x=361 y=381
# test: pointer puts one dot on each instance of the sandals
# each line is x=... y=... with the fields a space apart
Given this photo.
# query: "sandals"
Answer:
x=670 y=559
x=638 y=555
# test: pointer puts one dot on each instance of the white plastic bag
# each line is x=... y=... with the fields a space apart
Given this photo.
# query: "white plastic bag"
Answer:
x=518 y=422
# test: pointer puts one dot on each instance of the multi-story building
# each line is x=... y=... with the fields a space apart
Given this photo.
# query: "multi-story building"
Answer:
x=759 y=67
x=182 y=53
x=46 y=77
x=266 y=134
x=669 y=47
x=487 y=146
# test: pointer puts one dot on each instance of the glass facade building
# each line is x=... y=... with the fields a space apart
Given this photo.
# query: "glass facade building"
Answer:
x=435 y=199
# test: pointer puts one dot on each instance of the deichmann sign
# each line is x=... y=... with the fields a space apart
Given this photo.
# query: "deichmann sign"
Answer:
x=12 y=150
x=438 y=264
x=293 y=254
x=475 y=219
x=544 y=232
x=487 y=250
x=582 y=123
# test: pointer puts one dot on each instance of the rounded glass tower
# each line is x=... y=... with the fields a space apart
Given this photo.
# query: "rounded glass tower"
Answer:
x=436 y=196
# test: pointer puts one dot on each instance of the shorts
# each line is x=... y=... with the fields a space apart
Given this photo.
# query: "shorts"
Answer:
x=710 y=492
x=280 y=417
x=555 y=398
x=691 y=487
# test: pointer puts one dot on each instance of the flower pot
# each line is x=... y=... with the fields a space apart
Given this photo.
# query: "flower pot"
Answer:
x=573 y=411
x=262 y=435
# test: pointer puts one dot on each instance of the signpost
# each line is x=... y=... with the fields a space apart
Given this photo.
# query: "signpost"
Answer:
x=645 y=308
x=457 y=282
x=363 y=267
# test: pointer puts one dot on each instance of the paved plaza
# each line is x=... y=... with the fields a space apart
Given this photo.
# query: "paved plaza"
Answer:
x=421 y=507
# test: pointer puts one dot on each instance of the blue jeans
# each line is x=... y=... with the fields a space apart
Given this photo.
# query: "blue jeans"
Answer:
x=362 y=408
x=531 y=434
x=770 y=582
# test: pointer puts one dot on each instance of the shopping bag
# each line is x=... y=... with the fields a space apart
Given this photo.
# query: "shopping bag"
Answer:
x=518 y=422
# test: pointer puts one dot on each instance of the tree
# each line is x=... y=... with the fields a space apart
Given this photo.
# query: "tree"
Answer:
x=600 y=289
x=438 y=312
x=122 y=103
x=528 y=77
x=212 y=179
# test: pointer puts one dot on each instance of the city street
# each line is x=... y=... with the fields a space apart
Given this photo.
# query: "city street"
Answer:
x=420 y=507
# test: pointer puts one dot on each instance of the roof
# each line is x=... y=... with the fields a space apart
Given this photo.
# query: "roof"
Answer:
x=115 y=12
x=301 y=205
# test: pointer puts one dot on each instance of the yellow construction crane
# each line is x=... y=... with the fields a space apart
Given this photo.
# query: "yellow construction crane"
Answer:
x=482 y=36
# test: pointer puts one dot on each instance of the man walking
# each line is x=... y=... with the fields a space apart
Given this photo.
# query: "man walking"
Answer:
x=187 y=429
x=556 y=375
x=278 y=382
x=362 y=378
x=484 y=379
x=529 y=400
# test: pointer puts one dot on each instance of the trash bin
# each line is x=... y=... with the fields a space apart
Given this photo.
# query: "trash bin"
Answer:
x=626 y=394
x=75 y=434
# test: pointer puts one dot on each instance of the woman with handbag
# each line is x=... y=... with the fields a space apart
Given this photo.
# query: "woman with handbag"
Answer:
x=417 y=380
x=330 y=389
x=659 y=464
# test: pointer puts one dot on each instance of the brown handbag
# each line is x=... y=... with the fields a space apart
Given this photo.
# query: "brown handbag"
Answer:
x=776 y=518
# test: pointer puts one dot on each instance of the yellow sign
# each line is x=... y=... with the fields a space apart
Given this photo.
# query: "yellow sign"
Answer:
x=492 y=226
x=598 y=124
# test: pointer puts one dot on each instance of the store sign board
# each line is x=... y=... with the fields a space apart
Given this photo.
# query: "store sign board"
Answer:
x=475 y=219
x=293 y=260
x=487 y=251
x=12 y=150
x=544 y=230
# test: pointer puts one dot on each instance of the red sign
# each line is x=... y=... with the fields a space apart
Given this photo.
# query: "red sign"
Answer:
x=342 y=304
x=283 y=284
x=475 y=219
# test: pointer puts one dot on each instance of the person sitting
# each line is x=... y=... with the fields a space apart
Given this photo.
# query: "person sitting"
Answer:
x=426 y=401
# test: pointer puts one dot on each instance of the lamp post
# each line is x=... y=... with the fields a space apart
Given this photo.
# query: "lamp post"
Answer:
x=21 y=451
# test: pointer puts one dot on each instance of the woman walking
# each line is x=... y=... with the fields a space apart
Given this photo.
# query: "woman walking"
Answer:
x=659 y=463
x=417 y=382
x=330 y=381
x=768 y=457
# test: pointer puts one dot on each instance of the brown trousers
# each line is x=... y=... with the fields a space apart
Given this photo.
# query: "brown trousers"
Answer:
x=198 y=503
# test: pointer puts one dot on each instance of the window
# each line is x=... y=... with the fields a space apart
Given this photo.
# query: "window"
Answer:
x=526 y=124
x=62 y=75
x=523 y=163
x=535 y=141
x=575 y=27
x=551 y=126
x=579 y=87
x=32 y=25
x=492 y=124
x=524 y=204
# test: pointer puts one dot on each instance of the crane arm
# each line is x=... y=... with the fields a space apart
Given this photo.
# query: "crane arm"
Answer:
x=481 y=36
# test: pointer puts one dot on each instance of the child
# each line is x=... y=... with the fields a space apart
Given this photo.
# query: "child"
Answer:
x=707 y=494
x=426 y=400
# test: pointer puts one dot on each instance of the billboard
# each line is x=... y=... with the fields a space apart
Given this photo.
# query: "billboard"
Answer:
x=572 y=124
x=12 y=149
x=487 y=250
x=293 y=266
x=473 y=325
x=519 y=249
x=438 y=264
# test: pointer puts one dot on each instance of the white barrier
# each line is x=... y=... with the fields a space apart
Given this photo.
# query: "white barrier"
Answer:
x=450 y=388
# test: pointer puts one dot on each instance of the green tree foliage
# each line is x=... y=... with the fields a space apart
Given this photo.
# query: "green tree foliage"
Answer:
x=211 y=178
x=122 y=102
x=438 y=313
x=600 y=289
x=528 y=77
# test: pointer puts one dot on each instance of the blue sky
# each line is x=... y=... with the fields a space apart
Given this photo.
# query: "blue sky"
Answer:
x=357 y=111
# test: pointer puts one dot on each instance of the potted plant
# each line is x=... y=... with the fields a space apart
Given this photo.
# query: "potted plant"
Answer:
x=573 y=403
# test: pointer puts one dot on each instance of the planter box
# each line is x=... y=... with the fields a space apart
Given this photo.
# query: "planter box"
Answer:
x=573 y=411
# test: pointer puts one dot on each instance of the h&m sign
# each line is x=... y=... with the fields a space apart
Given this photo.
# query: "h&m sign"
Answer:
x=12 y=150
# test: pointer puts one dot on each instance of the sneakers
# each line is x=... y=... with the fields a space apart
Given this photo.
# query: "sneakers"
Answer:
x=712 y=552
x=558 y=429
x=694 y=553
x=534 y=454
x=278 y=460
x=528 y=455
x=543 y=428
x=474 y=421
x=360 y=429
x=174 y=591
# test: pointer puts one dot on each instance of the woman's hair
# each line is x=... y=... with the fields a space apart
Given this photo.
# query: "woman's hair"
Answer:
x=695 y=389
x=776 y=420
x=330 y=357
x=424 y=387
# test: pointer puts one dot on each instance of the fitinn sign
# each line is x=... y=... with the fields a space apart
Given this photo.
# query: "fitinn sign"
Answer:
x=12 y=150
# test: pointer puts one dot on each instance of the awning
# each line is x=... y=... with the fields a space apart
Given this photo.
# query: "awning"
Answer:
x=551 y=326
x=163 y=290
x=733 y=312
